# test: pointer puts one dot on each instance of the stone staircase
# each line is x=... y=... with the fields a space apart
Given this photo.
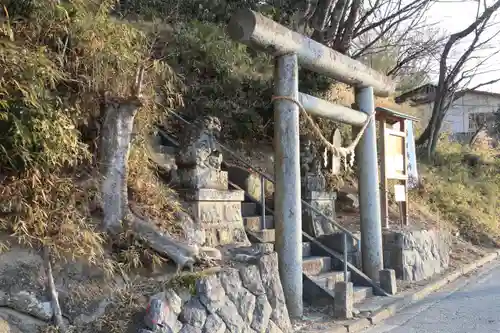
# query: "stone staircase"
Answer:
x=324 y=271
x=322 y=265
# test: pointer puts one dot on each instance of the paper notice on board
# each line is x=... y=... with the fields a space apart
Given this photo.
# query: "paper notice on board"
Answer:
x=399 y=193
x=399 y=163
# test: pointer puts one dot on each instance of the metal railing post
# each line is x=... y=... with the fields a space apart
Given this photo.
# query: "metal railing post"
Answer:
x=346 y=279
x=263 y=222
x=288 y=209
x=369 y=194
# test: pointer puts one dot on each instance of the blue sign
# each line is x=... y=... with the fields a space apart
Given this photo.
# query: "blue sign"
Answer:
x=412 y=156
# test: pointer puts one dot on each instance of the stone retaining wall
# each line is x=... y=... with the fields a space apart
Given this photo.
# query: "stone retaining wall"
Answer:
x=247 y=299
x=416 y=254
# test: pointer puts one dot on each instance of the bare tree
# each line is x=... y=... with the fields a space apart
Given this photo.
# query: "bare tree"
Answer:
x=406 y=54
x=338 y=23
x=480 y=124
x=454 y=77
x=390 y=31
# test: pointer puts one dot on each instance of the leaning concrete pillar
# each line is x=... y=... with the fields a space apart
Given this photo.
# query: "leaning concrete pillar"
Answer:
x=369 y=195
x=288 y=208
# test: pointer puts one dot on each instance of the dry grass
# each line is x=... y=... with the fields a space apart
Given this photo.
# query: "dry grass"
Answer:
x=462 y=195
x=57 y=63
x=127 y=308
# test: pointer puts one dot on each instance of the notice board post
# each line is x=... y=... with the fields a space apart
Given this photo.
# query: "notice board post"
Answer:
x=393 y=161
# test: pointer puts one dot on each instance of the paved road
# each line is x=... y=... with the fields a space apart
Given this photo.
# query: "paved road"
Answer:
x=470 y=305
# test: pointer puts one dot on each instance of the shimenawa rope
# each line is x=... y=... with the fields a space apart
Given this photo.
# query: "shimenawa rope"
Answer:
x=342 y=152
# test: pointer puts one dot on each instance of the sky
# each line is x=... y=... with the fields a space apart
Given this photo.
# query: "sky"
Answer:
x=453 y=16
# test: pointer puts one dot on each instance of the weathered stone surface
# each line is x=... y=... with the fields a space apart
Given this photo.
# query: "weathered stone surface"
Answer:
x=198 y=144
x=28 y=303
x=203 y=178
x=229 y=314
x=242 y=298
x=194 y=313
x=220 y=220
x=273 y=328
x=215 y=212
x=312 y=177
x=268 y=266
x=314 y=223
x=347 y=202
x=416 y=254
x=250 y=276
x=344 y=300
x=231 y=282
x=269 y=273
x=214 y=324
x=261 y=314
x=21 y=270
x=18 y=322
x=177 y=326
x=173 y=300
x=387 y=278
x=245 y=300
x=190 y=329
x=192 y=232
x=211 y=293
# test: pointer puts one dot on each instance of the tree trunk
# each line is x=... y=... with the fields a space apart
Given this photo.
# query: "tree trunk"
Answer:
x=476 y=135
x=115 y=143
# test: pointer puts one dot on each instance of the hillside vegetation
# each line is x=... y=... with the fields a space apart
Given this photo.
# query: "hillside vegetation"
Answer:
x=59 y=61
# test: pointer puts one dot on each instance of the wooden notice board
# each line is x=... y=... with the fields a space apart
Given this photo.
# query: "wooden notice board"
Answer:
x=393 y=161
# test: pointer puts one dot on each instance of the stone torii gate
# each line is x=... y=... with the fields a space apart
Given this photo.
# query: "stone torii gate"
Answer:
x=289 y=49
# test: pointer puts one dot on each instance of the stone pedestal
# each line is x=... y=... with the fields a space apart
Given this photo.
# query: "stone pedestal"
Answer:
x=218 y=212
x=203 y=178
x=214 y=208
x=312 y=222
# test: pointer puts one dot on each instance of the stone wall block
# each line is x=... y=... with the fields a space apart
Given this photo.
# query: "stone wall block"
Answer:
x=214 y=324
x=269 y=273
x=194 y=313
x=261 y=314
x=211 y=293
x=229 y=314
x=273 y=328
x=242 y=298
x=250 y=277
x=190 y=329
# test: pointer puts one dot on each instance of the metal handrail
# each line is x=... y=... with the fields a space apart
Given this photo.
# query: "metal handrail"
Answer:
x=267 y=177
x=263 y=177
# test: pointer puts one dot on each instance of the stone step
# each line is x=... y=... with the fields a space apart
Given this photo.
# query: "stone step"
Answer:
x=362 y=293
x=248 y=209
x=306 y=249
x=253 y=223
x=316 y=265
x=328 y=280
x=265 y=235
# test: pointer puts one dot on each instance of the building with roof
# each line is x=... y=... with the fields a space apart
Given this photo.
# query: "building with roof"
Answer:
x=469 y=110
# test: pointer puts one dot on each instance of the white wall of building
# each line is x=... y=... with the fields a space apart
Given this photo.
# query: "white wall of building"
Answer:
x=457 y=117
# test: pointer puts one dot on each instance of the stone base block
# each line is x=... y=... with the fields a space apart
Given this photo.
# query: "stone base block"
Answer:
x=387 y=278
x=313 y=223
x=343 y=300
x=416 y=254
x=203 y=178
x=219 y=215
